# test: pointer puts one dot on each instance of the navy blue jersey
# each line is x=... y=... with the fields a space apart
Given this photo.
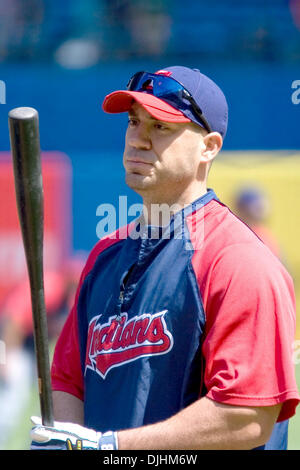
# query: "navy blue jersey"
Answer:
x=148 y=334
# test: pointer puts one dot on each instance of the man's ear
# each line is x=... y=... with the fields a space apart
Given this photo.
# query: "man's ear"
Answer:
x=213 y=143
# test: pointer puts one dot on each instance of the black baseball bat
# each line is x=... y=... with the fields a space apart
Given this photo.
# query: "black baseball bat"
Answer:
x=26 y=155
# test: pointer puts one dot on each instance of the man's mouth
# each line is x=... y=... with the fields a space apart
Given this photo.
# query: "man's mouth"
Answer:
x=136 y=160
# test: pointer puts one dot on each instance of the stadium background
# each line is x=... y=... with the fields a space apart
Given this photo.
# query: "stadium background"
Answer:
x=63 y=57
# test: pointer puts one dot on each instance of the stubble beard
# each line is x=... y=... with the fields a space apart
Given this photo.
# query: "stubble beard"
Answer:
x=139 y=183
x=154 y=190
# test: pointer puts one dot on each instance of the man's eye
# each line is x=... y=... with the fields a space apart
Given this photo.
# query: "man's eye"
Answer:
x=161 y=127
x=132 y=122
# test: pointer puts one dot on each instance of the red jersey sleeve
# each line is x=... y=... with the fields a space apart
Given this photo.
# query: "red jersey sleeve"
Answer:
x=66 y=374
x=250 y=325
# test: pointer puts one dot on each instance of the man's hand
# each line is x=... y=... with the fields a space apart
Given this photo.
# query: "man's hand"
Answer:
x=64 y=436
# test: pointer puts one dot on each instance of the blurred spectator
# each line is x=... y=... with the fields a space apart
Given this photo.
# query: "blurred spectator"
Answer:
x=16 y=326
x=253 y=207
x=116 y=28
x=136 y=28
x=16 y=317
x=20 y=28
x=82 y=45
x=150 y=27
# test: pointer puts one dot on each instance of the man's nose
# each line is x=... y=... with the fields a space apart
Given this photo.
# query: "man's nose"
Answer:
x=139 y=138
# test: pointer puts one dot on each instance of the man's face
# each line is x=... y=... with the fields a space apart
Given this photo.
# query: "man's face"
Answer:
x=161 y=159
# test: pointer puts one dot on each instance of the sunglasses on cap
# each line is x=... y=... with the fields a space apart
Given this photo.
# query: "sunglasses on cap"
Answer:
x=170 y=91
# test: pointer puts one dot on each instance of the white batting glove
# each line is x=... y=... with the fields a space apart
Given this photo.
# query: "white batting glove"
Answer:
x=69 y=436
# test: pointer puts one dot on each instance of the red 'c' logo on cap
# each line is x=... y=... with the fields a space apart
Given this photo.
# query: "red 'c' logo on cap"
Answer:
x=166 y=73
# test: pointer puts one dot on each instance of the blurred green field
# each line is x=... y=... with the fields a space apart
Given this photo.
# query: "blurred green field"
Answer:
x=19 y=439
x=294 y=428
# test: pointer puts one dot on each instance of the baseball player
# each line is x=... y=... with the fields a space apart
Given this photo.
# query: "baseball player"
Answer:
x=253 y=207
x=181 y=333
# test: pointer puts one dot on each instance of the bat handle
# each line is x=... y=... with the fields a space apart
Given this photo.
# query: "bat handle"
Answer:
x=43 y=367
